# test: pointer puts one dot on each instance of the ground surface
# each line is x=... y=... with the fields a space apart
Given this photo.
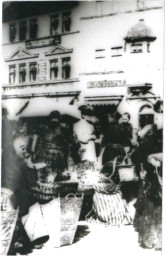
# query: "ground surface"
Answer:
x=96 y=239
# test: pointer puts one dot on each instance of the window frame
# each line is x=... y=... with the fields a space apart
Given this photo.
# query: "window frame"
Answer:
x=65 y=19
x=115 y=51
x=31 y=72
x=12 y=73
x=23 y=22
x=55 y=69
x=138 y=44
x=51 y=24
x=14 y=24
x=33 y=22
x=20 y=73
x=66 y=75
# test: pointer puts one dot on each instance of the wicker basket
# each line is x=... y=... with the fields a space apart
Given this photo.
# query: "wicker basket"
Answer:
x=8 y=222
x=63 y=227
x=46 y=192
x=111 y=208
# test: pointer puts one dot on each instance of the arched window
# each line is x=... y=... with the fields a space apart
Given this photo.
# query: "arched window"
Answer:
x=146 y=115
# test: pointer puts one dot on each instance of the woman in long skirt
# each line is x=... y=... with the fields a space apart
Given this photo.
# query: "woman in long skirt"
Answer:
x=148 y=218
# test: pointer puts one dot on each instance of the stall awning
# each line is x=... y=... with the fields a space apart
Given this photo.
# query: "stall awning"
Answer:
x=14 y=106
x=103 y=100
x=41 y=106
x=44 y=106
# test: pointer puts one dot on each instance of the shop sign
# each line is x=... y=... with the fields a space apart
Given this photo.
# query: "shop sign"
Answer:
x=42 y=70
x=42 y=42
x=106 y=83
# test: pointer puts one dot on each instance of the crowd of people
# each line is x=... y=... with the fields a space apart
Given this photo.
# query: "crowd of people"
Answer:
x=108 y=142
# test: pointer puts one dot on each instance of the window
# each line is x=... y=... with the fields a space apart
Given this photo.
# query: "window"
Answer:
x=33 y=28
x=53 y=69
x=145 y=119
x=136 y=48
x=117 y=51
x=66 y=67
x=54 y=24
x=140 y=4
x=12 y=32
x=33 y=71
x=66 y=21
x=12 y=74
x=22 y=30
x=22 y=73
x=99 y=53
x=148 y=47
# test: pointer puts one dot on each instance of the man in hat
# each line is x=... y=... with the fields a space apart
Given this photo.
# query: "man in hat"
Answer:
x=84 y=130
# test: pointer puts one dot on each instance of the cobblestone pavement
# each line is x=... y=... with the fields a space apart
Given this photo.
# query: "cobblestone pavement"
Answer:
x=96 y=239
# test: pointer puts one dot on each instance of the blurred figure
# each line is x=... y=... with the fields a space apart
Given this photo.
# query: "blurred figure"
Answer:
x=52 y=146
x=148 y=218
x=127 y=131
x=112 y=141
x=85 y=133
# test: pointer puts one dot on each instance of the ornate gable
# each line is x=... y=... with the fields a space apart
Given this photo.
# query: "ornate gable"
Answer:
x=21 y=54
x=58 y=50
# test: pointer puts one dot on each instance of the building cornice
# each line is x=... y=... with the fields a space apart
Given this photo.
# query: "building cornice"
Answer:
x=35 y=95
x=101 y=73
x=36 y=84
x=40 y=38
x=142 y=97
x=117 y=13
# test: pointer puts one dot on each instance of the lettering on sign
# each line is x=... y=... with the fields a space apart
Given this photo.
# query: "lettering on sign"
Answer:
x=42 y=70
x=105 y=83
x=43 y=42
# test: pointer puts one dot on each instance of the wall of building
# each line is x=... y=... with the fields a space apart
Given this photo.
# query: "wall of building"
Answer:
x=105 y=32
x=68 y=41
x=100 y=26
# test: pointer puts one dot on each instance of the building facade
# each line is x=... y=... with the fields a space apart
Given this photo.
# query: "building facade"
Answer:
x=99 y=53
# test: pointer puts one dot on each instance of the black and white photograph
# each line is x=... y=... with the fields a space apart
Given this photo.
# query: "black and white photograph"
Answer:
x=82 y=127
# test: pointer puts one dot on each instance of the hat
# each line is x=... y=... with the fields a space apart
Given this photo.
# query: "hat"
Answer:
x=54 y=114
x=87 y=110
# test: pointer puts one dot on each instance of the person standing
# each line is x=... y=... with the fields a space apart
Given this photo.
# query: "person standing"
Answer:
x=127 y=131
x=52 y=148
x=112 y=141
x=85 y=133
x=148 y=218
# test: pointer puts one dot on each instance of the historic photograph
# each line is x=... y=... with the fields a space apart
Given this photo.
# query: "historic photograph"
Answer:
x=82 y=127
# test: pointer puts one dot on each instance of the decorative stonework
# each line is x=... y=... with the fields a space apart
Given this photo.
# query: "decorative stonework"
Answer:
x=43 y=42
x=58 y=50
x=21 y=54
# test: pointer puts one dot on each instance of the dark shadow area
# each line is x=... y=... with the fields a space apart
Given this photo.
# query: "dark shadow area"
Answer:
x=129 y=190
x=87 y=205
x=81 y=232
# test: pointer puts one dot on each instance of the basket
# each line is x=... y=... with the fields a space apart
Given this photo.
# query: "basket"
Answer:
x=57 y=219
x=46 y=192
x=8 y=222
x=108 y=204
x=111 y=208
x=70 y=212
